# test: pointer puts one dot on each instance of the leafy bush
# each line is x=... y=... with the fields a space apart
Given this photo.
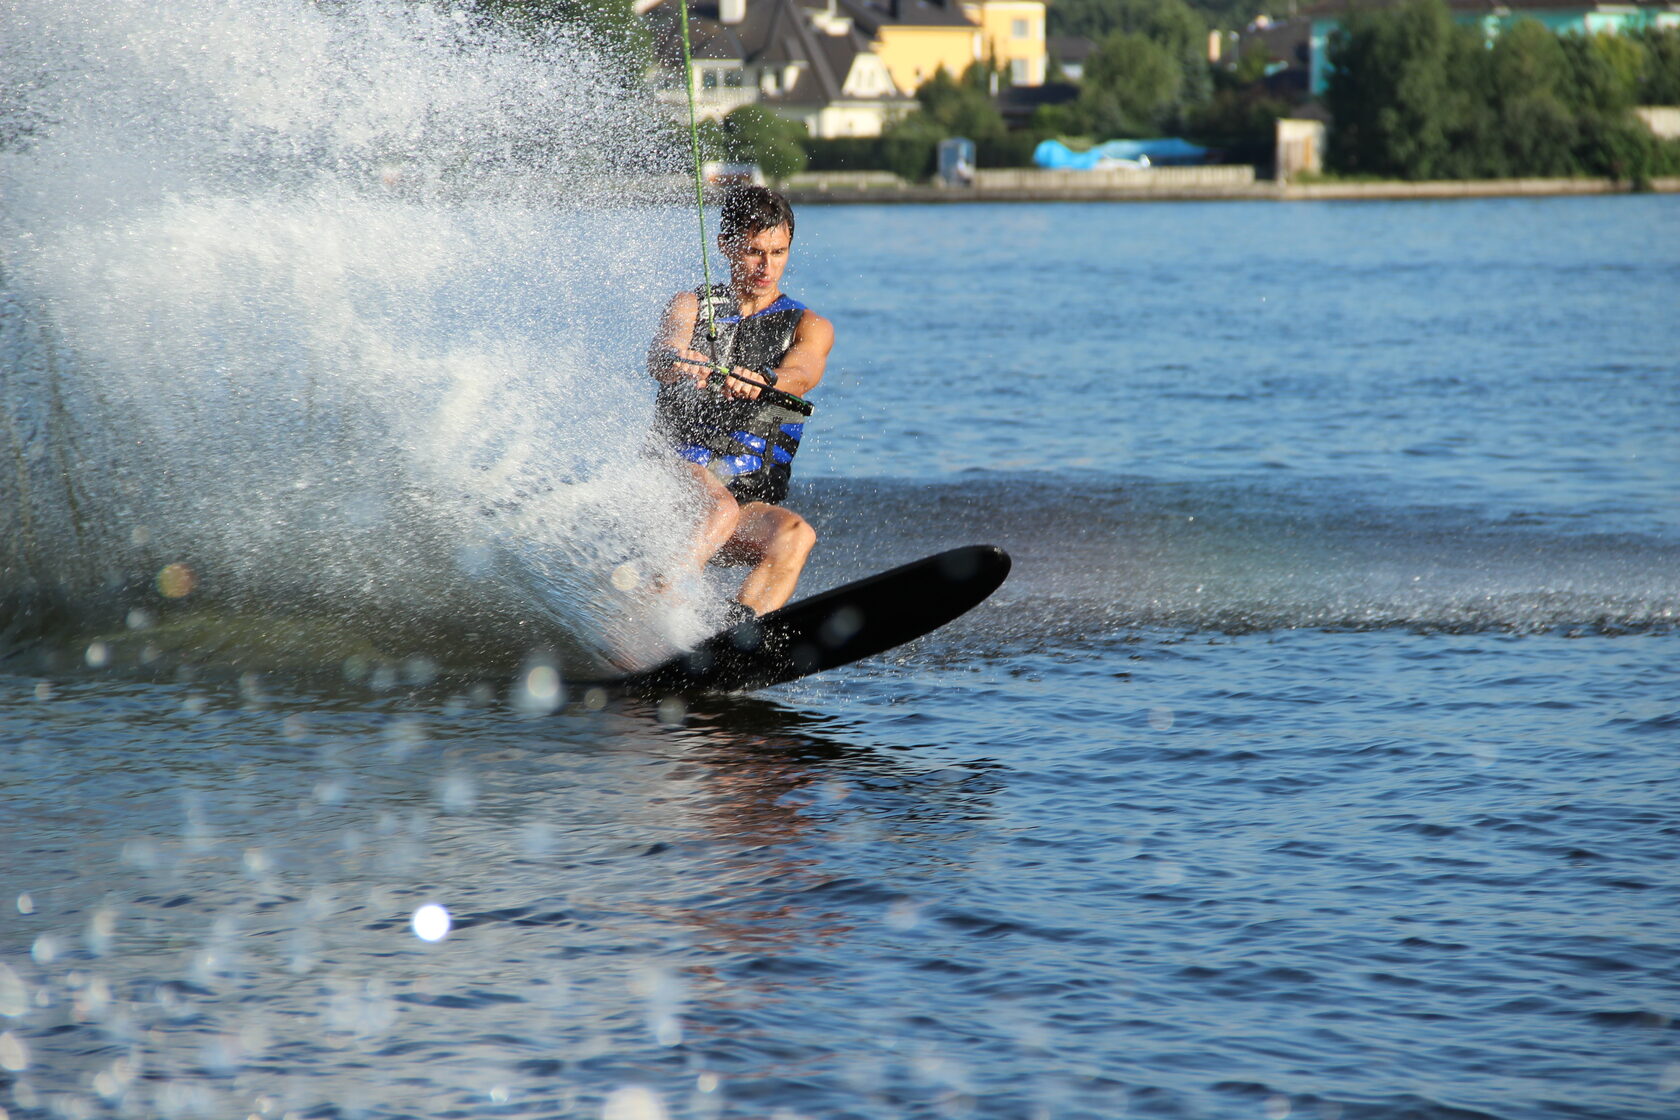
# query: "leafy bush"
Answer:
x=1415 y=95
x=753 y=134
x=1659 y=80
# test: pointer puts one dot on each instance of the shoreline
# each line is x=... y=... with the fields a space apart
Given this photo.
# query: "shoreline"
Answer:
x=1178 y=184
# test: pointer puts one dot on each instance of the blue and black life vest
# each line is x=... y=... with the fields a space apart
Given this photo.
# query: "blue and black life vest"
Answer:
x=747 y=444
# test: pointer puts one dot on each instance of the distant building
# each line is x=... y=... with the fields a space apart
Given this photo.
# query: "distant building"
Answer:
x=807 y=61
x=842 y=67
x=1019 y=103
x=1069 y=53
x=917 y=37
x=1012 y=37
x=1493 y=16
x=1299 y=148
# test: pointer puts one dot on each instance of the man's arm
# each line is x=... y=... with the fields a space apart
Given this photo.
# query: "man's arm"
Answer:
x=802 y=366
x=806 y=360
x=676 y=330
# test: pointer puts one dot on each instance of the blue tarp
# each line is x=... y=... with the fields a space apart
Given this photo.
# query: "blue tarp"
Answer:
x=1057 y=155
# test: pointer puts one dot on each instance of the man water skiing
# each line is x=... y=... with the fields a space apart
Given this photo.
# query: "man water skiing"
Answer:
x=738 y=430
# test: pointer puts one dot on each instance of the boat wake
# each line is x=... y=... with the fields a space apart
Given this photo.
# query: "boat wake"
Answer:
x=1097 y=556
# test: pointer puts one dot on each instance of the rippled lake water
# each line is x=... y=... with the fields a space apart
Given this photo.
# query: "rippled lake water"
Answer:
x=1318 y=759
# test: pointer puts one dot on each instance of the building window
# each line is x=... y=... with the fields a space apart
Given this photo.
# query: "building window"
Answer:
x=1020 y=71
x=732 y=79
x=1018 y=28
x=708 y=79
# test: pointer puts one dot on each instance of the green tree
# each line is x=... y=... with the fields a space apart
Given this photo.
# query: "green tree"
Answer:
x=950 y=106
x=1530 y=127
x=1096 y=18
x=754 y=134
x=1171 y=24
x=1400 y=92
x=1415 y=96
x=1131 y=86
x=1659 y=82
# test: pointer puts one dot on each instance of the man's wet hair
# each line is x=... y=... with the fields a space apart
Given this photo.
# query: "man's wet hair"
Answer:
x=748 y=211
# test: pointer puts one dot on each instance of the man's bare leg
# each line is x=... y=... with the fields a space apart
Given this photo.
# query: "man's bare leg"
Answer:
x=723 y=515
x=780 y=541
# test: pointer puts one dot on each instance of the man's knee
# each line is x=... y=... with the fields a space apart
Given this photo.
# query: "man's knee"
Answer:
x=724 y=506
x=795 y=534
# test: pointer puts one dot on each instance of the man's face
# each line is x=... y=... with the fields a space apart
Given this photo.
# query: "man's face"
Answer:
x=756 y=263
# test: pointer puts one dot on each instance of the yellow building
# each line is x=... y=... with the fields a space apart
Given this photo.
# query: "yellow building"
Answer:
x=914 y=38
x=1012 y=34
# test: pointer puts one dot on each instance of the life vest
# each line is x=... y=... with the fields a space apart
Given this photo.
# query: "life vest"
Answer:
x=748 y=445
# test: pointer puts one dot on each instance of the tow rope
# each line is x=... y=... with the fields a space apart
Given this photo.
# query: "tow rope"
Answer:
x=699 y=186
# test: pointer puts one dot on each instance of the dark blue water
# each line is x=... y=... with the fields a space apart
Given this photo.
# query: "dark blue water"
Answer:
x=1317 y=760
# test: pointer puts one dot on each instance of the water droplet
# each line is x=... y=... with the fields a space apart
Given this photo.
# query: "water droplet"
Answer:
x=903 y=915
x=1277 y=1108
x=627 y=576
x=431 y=922
x=634 y=1103
x=1161 y=719
x=537 y=838
x=14 y=1055
x=458 y=792
x=538 y=690
x=841 y=627
x=25 y=903
x=98 y=655
x=419 y=671
x=101 y=929
x=139 y=619
x=672 y=711
x=140 y=853
x=404 y=736
x=176 y=581
x=14 y=993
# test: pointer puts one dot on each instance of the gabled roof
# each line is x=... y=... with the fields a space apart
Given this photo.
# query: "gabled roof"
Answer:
x=771 y=33
x=872 y=15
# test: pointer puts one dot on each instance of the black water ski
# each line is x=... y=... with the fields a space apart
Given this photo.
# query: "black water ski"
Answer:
x=834 y=628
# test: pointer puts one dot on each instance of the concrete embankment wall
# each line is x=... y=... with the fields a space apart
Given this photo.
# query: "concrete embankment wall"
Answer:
x=1464 y=188
x=1169 y=184
x=1031 y=185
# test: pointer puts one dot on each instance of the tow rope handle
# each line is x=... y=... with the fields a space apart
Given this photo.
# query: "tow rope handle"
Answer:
x=672 y=357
